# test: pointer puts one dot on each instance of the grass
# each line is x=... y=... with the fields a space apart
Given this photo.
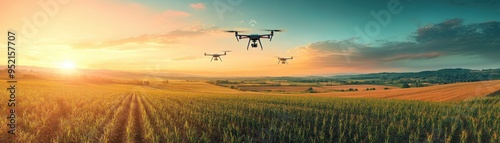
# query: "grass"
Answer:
x=198 y=112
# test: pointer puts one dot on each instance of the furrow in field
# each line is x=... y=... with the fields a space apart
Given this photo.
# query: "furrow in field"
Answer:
x=120 y=120
x=114 y=107
x=146 y=104
x=52 y=126
x=137 y=119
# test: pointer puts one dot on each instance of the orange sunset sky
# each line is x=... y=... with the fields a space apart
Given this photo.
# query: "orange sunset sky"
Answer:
x=172 y=36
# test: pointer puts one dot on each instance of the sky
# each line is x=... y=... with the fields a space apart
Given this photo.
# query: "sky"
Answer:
x=325 y=37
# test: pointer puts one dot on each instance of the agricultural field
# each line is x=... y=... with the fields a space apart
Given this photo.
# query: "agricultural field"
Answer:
x=447 y=92
x=315 y=88
x=57 y=111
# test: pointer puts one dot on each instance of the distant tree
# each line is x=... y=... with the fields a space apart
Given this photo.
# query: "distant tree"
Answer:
x=406 y=85
x=310 y=90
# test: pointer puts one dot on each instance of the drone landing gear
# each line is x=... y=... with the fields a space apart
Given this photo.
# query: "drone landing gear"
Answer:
x=248 y=44
x=283 y=62
x=216 y=59
x=261 y=48
x=254 y=44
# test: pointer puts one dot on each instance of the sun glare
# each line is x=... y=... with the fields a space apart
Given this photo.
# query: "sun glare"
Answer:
x=67 y=65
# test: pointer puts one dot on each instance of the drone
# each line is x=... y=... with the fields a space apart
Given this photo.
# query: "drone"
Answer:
x=283 y=60
x=216 y=57
x=254 y=37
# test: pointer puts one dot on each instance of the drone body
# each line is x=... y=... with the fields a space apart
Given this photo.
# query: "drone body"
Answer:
x=284 y=60
x=254 y=38
x=216 y=57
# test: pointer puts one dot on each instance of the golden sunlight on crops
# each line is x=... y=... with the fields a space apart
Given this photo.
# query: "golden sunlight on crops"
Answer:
x=181 y=111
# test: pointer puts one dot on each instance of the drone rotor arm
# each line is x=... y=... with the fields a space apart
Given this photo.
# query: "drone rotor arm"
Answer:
x=243 y=36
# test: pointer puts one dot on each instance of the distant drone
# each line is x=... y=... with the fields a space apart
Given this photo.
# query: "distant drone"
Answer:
x=283 y=60
x=254 y=37
x=216 y=57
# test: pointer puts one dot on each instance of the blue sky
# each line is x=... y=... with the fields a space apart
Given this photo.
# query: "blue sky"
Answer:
x=335 y=19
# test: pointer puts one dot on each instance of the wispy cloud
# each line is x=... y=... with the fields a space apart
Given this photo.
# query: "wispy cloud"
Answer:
x=153 y=40
x=175 y=13
x=198 y=6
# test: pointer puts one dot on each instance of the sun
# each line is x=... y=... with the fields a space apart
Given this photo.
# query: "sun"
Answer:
x=67 y=65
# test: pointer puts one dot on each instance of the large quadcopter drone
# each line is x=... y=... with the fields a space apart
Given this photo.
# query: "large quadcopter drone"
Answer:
x=254 y=37
x=216 y=57
x=283 y=60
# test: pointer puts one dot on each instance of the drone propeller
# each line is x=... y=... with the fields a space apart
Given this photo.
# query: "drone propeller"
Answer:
x=274 y=30
x=232 y=31
x=284 y=57
x=225 y=52
x=235 y=33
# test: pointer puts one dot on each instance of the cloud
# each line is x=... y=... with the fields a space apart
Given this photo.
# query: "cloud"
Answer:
x=413 y=56
x=175 y=13
x=472 y=2
x=448 y=38
x=154 y=40
x=198 y=6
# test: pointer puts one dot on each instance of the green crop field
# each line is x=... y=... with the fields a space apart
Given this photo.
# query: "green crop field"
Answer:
x=53 y=111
